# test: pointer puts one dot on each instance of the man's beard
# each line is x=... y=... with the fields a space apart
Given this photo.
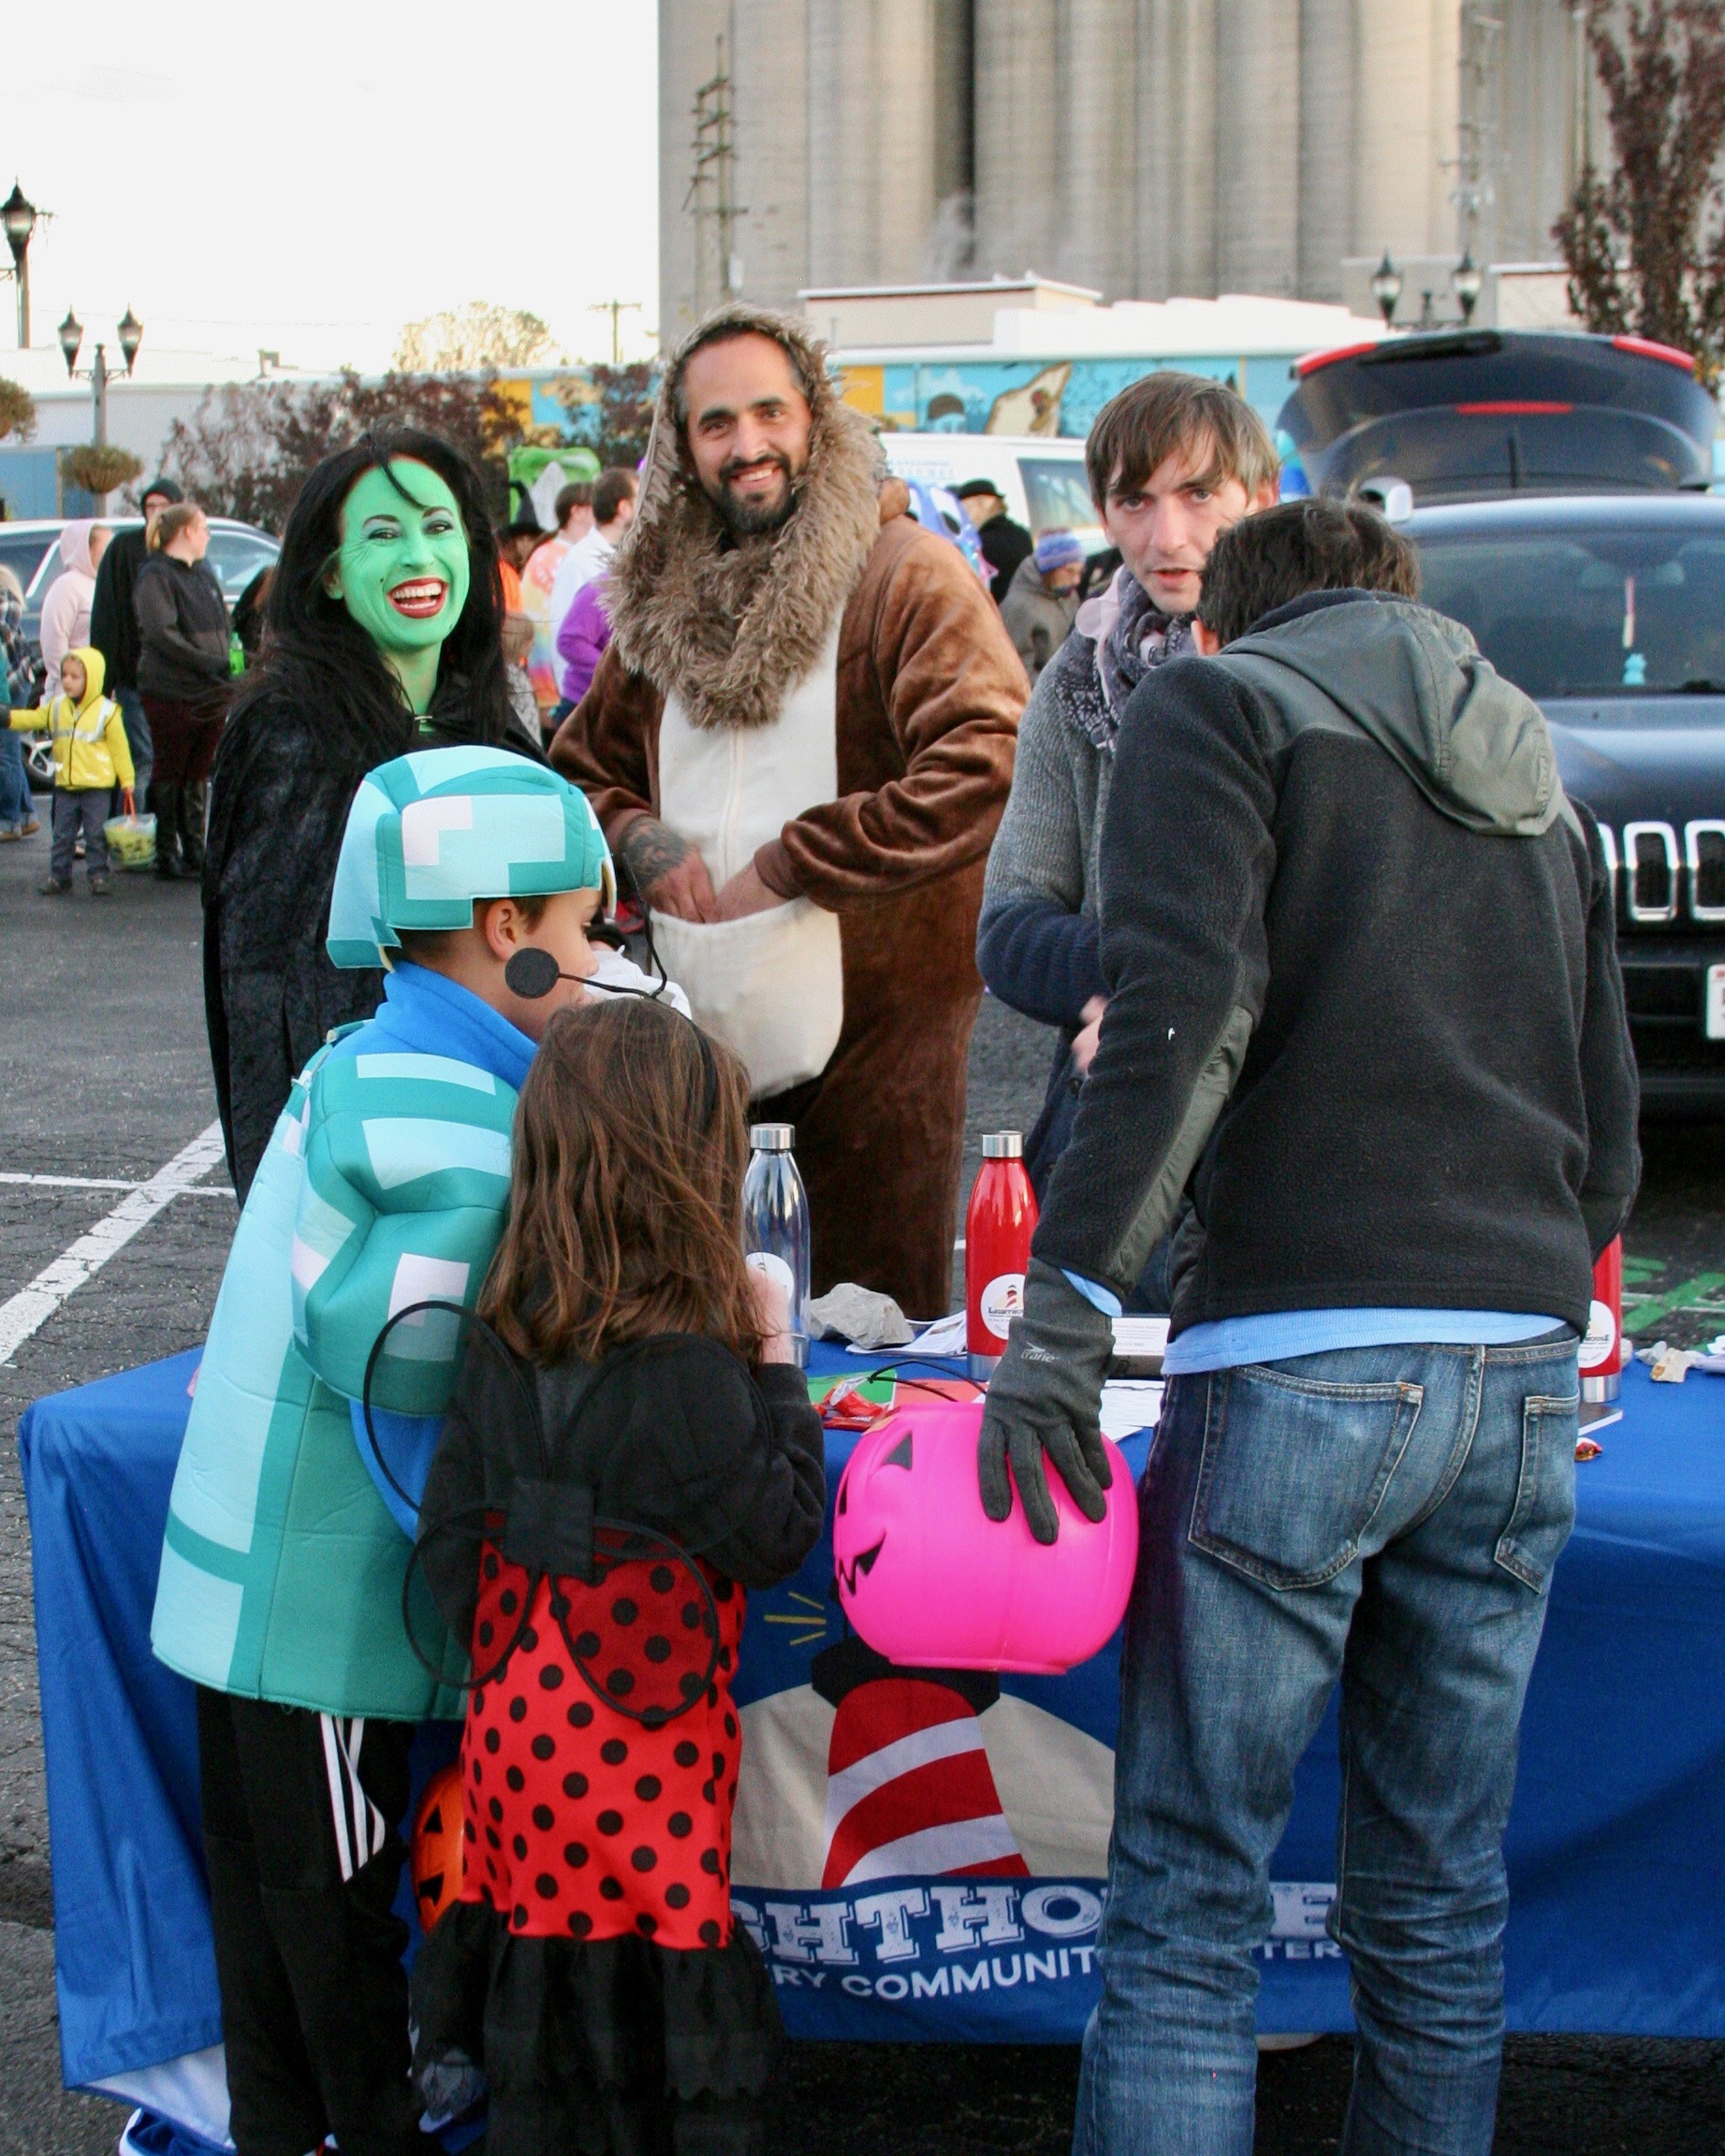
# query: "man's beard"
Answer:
x=747 y=519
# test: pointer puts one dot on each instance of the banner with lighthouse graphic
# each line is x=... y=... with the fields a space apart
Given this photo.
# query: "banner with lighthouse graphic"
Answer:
x=924 y=1853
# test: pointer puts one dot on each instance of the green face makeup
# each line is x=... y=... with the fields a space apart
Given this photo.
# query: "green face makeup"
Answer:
x=401 y=571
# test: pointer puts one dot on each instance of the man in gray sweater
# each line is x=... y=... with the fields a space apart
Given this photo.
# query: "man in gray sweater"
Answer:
x=1173 y=461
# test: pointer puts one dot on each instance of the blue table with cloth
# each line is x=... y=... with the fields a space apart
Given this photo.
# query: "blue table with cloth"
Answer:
x=1617 y=1898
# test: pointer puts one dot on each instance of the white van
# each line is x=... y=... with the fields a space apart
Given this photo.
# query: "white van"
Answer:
x=1039 y=477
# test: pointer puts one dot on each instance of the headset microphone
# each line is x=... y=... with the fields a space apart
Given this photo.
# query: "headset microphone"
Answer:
x=531 y=973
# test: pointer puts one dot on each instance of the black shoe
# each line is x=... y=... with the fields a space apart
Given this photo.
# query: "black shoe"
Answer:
x=100 y=884
x=55 y=887
x=164 y=807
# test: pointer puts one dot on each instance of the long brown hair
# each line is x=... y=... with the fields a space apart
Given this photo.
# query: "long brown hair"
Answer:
x=625 y=1204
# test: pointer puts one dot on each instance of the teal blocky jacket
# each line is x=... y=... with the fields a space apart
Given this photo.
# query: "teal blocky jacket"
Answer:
x=385 y=1184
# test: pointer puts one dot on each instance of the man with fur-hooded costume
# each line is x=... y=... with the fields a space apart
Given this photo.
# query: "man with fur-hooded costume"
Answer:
x=800 y=742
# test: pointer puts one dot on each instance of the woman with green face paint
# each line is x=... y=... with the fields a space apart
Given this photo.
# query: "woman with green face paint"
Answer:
x=382 y=635
x=401 y=570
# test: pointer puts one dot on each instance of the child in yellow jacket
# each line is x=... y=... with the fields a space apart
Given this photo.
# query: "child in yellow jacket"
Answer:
x=90 y=758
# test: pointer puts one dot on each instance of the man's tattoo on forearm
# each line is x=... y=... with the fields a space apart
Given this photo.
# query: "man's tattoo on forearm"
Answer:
x=651 y=850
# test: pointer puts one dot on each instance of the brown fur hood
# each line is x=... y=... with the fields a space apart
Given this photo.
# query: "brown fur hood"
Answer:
x=731 y=626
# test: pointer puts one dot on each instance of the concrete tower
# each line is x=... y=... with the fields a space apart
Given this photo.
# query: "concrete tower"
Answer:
x=1143 y=147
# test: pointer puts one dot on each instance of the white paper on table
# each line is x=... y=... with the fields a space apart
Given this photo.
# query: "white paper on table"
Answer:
x=1130 y=1404
x=1141 y=1335
x=946 y=1337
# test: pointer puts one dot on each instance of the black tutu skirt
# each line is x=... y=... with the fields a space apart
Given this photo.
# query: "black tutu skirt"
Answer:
x=599 y=2047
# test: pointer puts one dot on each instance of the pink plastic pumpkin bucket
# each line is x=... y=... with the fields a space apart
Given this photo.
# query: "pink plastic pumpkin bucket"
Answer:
x=931 y=1582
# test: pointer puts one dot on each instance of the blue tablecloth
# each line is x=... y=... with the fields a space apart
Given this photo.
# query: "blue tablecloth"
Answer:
x=1617 y=1896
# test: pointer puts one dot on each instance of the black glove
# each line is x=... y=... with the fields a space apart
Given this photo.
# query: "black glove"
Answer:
x=1045 y=1397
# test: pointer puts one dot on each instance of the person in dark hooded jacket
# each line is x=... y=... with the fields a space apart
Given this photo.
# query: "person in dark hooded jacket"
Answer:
x=1364 y=1002
x=114 y=623
x=385 y=619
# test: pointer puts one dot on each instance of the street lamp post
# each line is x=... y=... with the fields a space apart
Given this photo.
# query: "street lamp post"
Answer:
x=1467 y=281
x=1386 y=288
x=1467 y=284
x=130 y=331
x=18 y=213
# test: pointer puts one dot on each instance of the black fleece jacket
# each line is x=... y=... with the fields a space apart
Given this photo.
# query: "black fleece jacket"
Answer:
x=284 y=782
x=682 y=1440
x=113 y=617
x=182 y=633
x=1363 y=988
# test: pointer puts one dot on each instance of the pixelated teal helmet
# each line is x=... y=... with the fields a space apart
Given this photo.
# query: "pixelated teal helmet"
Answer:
x=433 y=832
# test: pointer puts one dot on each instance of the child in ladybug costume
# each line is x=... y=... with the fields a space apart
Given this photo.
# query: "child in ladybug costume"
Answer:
x=384 y=1186
x=630 y=1448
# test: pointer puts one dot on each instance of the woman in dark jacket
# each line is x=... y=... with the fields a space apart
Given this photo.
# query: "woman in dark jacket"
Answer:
x=382 y=636
x=182 y=677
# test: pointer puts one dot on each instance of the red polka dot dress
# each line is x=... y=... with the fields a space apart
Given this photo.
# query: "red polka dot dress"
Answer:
x=589 y=1966
x=580 y=1820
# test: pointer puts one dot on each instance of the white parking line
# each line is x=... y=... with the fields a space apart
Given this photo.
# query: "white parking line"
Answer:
x=28 y=1310
x=113 y=1183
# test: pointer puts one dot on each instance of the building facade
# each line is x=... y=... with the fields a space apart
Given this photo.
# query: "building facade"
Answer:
x=1145 y=148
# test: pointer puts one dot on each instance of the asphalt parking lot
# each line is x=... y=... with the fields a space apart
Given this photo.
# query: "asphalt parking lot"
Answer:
x=104 y=1077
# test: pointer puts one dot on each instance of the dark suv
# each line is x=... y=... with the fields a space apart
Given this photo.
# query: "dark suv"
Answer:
x=1609 y=612
x=1486 y=412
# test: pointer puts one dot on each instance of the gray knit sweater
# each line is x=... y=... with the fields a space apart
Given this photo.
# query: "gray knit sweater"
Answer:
x=1036 y=944
x=1047 y=845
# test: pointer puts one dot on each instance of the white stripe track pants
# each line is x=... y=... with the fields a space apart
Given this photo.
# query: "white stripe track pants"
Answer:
x=301 y=1835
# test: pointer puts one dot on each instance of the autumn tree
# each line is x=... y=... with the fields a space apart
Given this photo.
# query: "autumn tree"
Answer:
x=476 y=335
x=1645 y=243
x=17 y=410
x=611 y=409
x=246 y=450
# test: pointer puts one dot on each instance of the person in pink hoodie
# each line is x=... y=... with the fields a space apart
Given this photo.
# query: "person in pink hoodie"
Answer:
x=66 y=610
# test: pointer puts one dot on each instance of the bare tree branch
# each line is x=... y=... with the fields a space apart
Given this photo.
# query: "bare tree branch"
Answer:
x=246 y=450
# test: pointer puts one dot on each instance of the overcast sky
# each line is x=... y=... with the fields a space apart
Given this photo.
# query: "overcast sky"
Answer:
x=309 y=174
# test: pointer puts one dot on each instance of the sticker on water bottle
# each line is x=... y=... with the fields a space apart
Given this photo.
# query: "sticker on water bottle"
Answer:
x=1001 y=1300
x=774 y=1267
x=1602 y=1337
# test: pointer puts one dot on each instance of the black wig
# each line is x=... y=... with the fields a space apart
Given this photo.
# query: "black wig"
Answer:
x=317 y=656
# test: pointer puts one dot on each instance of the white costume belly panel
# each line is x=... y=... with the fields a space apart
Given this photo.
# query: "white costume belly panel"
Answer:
x=770 y=986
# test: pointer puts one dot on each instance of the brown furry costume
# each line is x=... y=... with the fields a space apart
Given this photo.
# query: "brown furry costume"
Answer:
x=929 y=692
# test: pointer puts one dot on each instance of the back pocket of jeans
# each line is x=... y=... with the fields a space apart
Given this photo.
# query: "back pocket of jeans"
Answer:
x=1295 y=1471
x=1544 y=1509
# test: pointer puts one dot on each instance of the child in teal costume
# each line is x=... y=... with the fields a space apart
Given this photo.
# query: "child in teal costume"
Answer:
x=383 y=1186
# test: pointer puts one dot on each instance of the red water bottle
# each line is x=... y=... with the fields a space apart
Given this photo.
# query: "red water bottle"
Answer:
x=996 y=1249
x=1602 y=1352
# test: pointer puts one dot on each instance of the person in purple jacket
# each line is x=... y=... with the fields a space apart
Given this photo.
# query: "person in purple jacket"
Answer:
x=581 y=640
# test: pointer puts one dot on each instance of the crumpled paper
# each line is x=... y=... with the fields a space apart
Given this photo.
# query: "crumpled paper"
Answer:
x=860 y=1315
x=1670 y=1365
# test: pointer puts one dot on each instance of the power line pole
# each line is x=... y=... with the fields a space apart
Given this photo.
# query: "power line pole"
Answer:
x=1479 y=160
x=616 y=309
x=712 y=186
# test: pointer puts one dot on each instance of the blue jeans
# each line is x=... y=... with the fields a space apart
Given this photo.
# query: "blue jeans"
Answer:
x=1384 y=1516
x=137 y=723
x=15 y=803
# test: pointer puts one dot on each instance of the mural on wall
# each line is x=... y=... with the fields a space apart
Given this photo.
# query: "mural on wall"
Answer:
x=572 y=423
x=1055 y=398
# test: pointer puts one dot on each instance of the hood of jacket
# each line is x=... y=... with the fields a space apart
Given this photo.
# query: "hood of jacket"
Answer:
x=96 y=674
x=729 y=625
x=1415 y=682
x=75 y=547
x=1027 y=584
